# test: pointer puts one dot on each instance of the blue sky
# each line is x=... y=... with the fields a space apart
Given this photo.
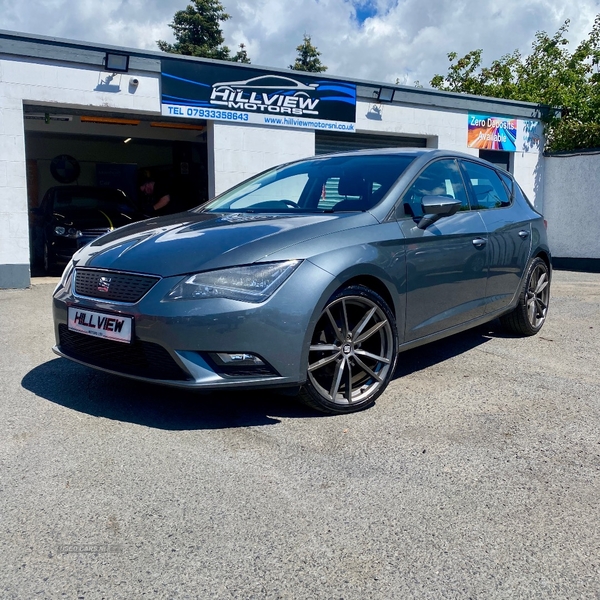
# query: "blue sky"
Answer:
x=378 y=40
x=365 y=10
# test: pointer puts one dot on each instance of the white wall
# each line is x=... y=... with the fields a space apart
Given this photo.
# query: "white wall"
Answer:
x=237 y=152
x=572 y=206
x=39 y=82
x=529 y=172
x=445 y=129
x=47 y=83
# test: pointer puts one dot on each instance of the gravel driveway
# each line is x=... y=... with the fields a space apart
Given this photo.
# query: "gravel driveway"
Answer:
x=475 y=476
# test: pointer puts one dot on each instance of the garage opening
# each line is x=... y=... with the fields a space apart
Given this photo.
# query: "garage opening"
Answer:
x=497 y=157
x=115 y=151
x=327 y=142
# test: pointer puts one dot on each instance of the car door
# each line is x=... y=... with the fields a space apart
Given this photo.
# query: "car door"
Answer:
x=509 y=231
x=446 y=262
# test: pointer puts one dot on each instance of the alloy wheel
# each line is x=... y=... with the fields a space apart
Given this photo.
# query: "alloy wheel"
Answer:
x=538 y=292
x=46 y=258
x=351 y=352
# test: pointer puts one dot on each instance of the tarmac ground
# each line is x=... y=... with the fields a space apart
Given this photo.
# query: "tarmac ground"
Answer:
x=476 y=475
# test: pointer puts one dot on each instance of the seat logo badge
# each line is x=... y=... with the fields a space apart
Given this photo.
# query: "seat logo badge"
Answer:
x=104 y=284
x=347 y=348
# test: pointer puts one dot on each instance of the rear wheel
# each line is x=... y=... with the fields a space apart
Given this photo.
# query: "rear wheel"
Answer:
x=352 y=352
x=50 y=266
x=530 y=313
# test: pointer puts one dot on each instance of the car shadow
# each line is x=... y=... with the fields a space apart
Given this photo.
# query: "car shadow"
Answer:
x=108 y=396
x=422 y=357
x=104 y=395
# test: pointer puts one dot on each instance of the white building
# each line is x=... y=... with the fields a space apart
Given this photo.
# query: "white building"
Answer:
x=72 y=112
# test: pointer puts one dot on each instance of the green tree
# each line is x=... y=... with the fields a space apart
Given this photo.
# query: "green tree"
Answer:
x=241 y=55
x=198 y=32
x=549 y=75
x=308 y=58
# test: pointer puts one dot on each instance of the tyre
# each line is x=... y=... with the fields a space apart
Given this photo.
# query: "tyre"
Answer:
x=352 y=352
x=529 y=315
x=36 y=248
x=49 y=264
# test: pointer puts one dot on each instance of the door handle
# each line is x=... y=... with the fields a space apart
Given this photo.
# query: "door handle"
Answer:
x=479 y=242
x=523 y=234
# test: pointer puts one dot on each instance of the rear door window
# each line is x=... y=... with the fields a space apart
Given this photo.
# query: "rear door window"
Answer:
x=487 y=187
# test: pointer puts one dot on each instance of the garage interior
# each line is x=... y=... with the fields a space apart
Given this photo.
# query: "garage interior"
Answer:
x=101 y=149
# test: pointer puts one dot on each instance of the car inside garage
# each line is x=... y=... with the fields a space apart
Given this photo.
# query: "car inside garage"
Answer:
x=89 y=150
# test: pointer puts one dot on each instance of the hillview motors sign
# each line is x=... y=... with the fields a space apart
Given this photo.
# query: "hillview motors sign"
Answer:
x=216 y=92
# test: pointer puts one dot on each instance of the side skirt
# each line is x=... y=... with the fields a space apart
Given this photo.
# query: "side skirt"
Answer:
x=486 y=318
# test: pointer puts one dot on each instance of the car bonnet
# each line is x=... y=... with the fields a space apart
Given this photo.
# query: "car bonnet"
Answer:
x=192 y=242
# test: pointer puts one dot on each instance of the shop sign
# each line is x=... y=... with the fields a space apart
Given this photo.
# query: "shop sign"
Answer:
x=490 y=132
x=245 y=95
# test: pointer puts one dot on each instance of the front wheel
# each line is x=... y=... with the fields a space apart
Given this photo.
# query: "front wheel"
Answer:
x=49 y=266
x=530 y=313
x=352 y=352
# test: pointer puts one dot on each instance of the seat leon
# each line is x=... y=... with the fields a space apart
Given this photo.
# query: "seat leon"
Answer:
x=312 y=276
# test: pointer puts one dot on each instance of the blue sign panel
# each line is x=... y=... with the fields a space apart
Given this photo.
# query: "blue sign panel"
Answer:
x=228 y=93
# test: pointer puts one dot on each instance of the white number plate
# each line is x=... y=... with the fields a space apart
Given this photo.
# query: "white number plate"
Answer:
x=101 y=325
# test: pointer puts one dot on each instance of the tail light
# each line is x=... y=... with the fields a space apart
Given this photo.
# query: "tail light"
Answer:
x=545 y=224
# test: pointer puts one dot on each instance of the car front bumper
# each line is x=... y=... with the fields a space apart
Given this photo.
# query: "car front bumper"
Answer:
x=174 y=341
x=62 y=248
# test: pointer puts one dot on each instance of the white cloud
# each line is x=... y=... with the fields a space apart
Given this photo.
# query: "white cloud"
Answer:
x=405 y=39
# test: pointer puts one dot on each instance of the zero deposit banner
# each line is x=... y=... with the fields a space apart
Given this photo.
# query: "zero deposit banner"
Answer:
x=489 y=132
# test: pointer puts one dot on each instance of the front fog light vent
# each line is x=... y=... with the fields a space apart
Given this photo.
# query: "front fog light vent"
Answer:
x=240 y=364
x=238 y=359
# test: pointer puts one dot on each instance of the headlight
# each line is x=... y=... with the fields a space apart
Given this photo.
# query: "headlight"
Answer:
x=65 y=276
x=254 y=283
x=70 y=233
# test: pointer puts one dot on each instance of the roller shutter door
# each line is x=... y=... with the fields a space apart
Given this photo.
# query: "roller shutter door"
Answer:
x=326 y=142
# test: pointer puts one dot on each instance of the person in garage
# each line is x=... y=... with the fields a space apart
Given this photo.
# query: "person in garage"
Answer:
x=156 y=197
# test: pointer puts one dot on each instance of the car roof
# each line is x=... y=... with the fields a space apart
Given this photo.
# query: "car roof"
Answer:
x=425 y=154
x=404 y=151
x=85 y=190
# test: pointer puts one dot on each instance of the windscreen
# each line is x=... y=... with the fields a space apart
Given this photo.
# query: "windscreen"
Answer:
x=94 y=199
x=333 y=184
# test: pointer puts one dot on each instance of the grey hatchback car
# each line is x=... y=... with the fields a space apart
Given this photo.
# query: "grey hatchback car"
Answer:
x=311 y=276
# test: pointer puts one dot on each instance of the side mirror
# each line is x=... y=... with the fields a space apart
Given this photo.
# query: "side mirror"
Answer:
x=436 y=207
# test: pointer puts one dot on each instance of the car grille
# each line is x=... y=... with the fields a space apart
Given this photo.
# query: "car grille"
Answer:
x=108 y=285
x=97 y=232
x=246 y=372
x=144 y=359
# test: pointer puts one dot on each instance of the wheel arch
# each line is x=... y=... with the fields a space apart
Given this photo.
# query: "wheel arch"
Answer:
x=376 y=285
x=375 y=282
x=545 y=256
